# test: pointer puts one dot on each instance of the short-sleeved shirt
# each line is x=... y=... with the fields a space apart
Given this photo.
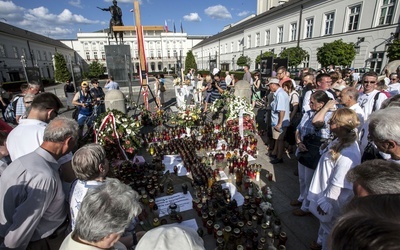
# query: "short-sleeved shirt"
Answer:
x=306 y=127
x=247 y=77
x=20 y=108
x=111 y=85
x=368 y=104
x=280 y=103
x=31 y=198
x=215 y=93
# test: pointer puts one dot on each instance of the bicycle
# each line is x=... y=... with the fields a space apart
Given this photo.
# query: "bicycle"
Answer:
x=87 y=134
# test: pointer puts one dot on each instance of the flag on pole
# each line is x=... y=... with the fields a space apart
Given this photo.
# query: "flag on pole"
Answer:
x=174 y=28
x=165 y=26
x=181 y=27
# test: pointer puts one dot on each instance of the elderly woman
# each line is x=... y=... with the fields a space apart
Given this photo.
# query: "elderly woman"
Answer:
x=329 y=189
x=103 y=216
x=314 y=123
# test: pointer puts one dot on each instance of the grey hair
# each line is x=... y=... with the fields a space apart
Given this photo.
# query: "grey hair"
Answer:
x=33 y=84
x=351 y=91
x=86 y=161
x=106 y=209
x=59 y=129
x=384 y=124
x=377 y=176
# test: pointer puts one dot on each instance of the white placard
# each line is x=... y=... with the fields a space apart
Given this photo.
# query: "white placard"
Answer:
x=174 y=160
x=184 y=201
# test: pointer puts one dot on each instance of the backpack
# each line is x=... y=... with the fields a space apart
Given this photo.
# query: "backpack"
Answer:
x=10 y=112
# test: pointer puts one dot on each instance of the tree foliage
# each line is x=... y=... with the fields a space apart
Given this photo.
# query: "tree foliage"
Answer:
x=265 y=54
x=190 y=62
x=393 y=51
x=61 y=73
x=295 y=55
x=243 y=60
x=96 y=69
x=336 y=53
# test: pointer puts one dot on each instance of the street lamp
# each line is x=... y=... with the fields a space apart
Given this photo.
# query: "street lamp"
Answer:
x=23 y=61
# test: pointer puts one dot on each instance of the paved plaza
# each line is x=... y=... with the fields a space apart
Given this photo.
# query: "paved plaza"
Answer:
x=300 y=230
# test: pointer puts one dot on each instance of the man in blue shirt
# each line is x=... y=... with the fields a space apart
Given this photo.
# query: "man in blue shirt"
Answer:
x=280 y=109
x=111 y=84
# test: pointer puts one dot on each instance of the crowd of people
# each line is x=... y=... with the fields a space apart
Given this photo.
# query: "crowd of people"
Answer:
x=340 y=124
x=344 y=132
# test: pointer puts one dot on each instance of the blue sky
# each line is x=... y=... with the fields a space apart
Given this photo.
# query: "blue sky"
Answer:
x=62 y=19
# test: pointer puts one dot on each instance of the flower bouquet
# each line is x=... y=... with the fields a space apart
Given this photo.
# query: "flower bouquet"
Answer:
x=118 y=134
x=177 y=81
x=187 y=117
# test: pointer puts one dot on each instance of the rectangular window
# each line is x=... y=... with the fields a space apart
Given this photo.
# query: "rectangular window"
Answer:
x=45 y=55
x=23 y=51
x=248 y=41
x=280 y=34
x=2 y=50
x=309 y=27
x=354 y=16
x=240 y=42
x=95 y=55
x=257 y=39
x=169 y=53
x=15 y=51
x=103 y=55
x=329 y=23
x=226 y=48
x=267 y=37
x=87 y=55
x=39 y=56
x=231 y=46
x=293 y=31
x=387 y=10
x=159 y=53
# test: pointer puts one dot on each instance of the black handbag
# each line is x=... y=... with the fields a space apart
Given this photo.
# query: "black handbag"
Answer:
x=311 y=157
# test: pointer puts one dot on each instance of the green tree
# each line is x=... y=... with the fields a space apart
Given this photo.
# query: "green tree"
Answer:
x=61 y=73
x=96 y=69
x=295 y=55
x=393 y=52
x=265 y=54
x=243 y=60
x=190 y=62
x=336 y=53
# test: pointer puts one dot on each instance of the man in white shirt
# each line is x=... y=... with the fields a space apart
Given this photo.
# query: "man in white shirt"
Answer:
x=324 y=83
x=371 y=99
x=348 y=97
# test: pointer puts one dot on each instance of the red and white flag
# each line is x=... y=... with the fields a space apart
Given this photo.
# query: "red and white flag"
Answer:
x=165 y=26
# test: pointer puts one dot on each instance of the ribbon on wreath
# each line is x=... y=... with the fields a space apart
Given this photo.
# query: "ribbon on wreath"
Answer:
x=110 y=119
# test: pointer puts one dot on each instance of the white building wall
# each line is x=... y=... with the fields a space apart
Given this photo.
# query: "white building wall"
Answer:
x=11 y=64
x=162 y=49
x=374 y=36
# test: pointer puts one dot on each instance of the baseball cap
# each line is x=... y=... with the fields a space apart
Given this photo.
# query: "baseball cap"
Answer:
x=84 y=84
